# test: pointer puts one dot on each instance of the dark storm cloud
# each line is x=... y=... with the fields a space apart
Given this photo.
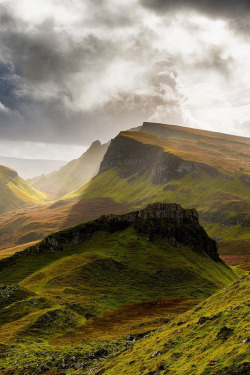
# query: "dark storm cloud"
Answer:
x=102 y=68
x=38 y=65
x=45 y=54
x=31 y=59
x=214 y=7
x=238 y=11
x=48 y=120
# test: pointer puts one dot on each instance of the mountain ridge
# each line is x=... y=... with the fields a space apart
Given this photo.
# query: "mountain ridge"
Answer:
x=72 y=175
x=208 y=173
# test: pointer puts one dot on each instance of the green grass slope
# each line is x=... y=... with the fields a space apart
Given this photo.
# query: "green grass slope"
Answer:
x=15 y=192
x=206 y=170
x=74 y=174
x=85 y=272
x=211 y=339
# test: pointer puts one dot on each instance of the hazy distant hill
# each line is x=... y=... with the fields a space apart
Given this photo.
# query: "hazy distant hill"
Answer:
x=29 y=168
x=74 y=174
x=15 y=192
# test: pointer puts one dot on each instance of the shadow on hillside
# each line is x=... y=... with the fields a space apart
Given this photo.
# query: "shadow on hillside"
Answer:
x=92 y=208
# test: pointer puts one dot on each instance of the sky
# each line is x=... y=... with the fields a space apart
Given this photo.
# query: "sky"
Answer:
x=73 y=71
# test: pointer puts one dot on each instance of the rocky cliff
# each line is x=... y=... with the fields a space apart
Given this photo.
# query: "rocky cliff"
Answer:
x=130 y=156
x=169 y=221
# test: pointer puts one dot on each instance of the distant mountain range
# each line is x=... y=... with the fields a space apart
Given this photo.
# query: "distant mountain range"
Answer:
x=29 y=168
x=72 y=175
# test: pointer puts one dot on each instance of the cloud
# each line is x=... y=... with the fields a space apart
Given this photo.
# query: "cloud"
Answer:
x=72 y=71
x=231 y=7
x=237 y=11
x=66 y=86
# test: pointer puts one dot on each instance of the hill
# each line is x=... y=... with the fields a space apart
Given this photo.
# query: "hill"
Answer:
x=72 y=175
x=207 y=170
x=138 y=266
x=30 y=168
x=15 y=192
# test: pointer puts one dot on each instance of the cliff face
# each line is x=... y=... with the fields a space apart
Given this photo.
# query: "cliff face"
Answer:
x=130 y=156
x=169 y=221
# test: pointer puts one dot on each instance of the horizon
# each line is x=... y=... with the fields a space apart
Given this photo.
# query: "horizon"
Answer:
x=76 y=155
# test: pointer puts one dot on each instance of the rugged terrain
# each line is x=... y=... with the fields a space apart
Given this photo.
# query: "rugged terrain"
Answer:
x=209 y=171
x=196 y=168
x=103 y=280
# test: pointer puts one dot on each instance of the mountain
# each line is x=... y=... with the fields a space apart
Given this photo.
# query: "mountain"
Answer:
x=74 y=174
x=212 y=339
x=58 y=296
x=15 y=192
x=206 y=170
x=30 y=168
x=195 y=168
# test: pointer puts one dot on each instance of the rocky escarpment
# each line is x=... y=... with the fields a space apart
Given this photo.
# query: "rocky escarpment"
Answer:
x=170 y=221
x=132 y=157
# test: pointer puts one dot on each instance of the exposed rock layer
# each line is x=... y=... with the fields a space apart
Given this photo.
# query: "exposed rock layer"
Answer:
x=170 y=221
x=131 y=156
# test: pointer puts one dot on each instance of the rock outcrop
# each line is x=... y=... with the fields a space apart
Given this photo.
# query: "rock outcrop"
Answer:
x=169 y=221
x=130 y=157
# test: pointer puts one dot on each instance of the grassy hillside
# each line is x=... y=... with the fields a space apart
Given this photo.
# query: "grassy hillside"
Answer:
x=212 y=338
x=15 y=192
x=205 y=170
x=72 y=175
x=86 y=285
x=22 y=227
